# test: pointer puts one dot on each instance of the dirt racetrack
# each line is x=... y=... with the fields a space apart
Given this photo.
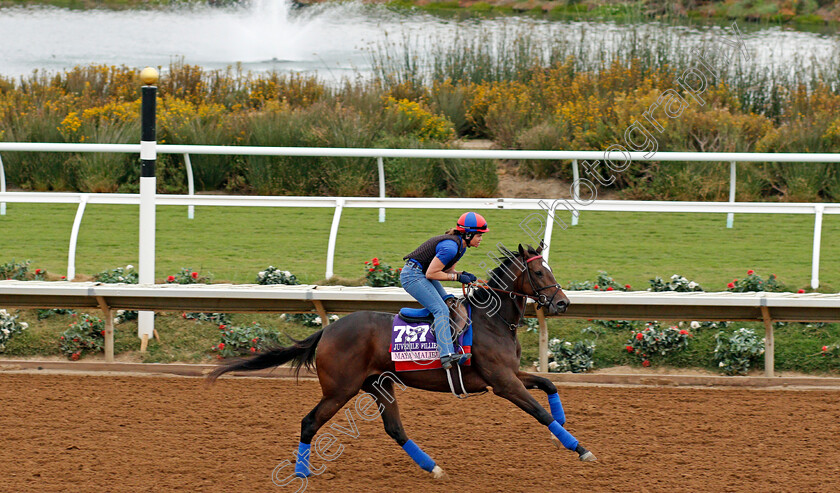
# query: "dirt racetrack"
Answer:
x=127 y=433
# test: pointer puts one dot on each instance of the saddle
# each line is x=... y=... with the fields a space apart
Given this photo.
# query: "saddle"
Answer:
x=458 y=318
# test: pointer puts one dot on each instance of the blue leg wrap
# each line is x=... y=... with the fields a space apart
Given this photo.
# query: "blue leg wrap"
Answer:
x=564 y=436
x=302 y=462
x=557 y=408
x=421 y=458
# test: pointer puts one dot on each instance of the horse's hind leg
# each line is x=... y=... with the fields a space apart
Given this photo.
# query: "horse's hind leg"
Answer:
x=534 y=382
x=394 y=427
x=312 y=422
x=512 y=389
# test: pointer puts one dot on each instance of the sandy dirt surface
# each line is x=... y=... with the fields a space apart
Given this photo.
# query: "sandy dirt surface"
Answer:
x=128 y=433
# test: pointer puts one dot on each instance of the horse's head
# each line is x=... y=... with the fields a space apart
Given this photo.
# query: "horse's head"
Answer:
x=538 y=281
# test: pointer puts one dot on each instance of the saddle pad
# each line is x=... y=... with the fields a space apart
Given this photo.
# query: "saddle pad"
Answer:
x=414 y=347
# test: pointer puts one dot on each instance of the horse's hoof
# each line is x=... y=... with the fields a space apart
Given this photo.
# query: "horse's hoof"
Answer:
x=588 y=457
x=437 y=473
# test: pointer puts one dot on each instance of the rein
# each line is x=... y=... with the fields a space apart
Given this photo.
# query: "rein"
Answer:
x=540 y=299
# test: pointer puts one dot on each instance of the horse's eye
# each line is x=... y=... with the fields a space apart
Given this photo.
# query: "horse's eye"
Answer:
x=539 y=273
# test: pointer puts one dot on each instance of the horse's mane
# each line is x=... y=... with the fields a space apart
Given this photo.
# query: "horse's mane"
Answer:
x=499 y=277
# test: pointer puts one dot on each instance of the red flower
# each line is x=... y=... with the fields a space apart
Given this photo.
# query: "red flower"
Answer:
x=76 y=339
x=74 y=356
x=64 y=277
x=640 y=336
x=184 y=315
x=825 y=348
x=170 y=278
x=595 y=287
x=194 y=275
x=62 y=338
x=218 y=356
x=253 y=350
x=103 y=332
x=734 y=280
x=371 y=269
x=801 y=291
x=730 y=285
x=255 y=339
x=750 y=272
x=37 y=271
x=366 y=262
x=222 y=326
x=626 y=286
x=629 y=349
x=683 y=332
x=646 y=363
x=375 y=262
x=221 y=345
x=609 y=288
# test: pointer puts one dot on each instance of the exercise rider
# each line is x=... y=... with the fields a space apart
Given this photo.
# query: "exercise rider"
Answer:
x=434 y=261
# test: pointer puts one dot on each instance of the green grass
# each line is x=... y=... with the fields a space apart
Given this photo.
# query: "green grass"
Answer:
x=234 y=243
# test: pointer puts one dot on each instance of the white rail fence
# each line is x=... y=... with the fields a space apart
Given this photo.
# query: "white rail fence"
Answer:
x=638 y=305
x=339 y=203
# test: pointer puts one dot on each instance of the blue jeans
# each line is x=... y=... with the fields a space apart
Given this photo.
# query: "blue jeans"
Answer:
x=430 y=294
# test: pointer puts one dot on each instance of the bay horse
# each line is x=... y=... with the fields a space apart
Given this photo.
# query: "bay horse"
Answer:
x=353 y=354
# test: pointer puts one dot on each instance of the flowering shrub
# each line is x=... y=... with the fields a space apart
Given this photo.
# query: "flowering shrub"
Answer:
x=307 y=319
x=677 y=283
x=734 y=352
x=754 y=282
x=187 y=276
x=9 y=326
x=216 y=318
x=563 y=356
x=273 y=275
x=655 y=341
x=603 y=282
x=531 y=324
x=617 y=324
x=85 y=334
x=832 y=351
x=49 y=312
x=379 y=275
x=249 y=339
x=695 y=325
x=15 y=270
x=125 y=275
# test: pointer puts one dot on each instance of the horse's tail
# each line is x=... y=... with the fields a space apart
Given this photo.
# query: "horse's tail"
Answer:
x=301 y=353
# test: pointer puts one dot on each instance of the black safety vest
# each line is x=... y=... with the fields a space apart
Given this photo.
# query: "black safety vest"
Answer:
x=425 y=253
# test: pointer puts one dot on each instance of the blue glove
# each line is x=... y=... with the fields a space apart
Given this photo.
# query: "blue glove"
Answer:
x=466 y=278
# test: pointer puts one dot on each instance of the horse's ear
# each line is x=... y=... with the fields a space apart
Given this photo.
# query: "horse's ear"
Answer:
x=522 y=251
x=540 y=248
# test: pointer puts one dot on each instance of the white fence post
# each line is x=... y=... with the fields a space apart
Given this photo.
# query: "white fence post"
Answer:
x=549 y=228
x=74 y=237
x=730 y=218
x=190 y=185
x=815 y=263
x=381 y=166
x=576 y=197
x=339 y=205
x=2 y=187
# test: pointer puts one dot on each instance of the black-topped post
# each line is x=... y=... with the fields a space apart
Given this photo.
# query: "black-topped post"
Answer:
x=148 y=188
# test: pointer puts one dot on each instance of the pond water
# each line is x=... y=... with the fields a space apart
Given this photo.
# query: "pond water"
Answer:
x=333 y=40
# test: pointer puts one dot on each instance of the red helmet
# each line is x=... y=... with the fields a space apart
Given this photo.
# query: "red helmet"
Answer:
x=470 y=222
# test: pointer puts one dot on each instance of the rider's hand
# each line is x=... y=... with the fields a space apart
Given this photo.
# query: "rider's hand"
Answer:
x=466 y=278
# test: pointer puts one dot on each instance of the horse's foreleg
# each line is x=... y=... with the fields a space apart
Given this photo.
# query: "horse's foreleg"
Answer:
x=534 y=382
x=513 y=390
x=394 y=428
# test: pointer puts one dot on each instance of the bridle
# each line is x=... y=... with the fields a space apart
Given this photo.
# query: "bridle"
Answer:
x=541 y=300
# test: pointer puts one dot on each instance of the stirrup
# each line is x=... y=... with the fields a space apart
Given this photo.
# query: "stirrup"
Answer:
x=447 y=360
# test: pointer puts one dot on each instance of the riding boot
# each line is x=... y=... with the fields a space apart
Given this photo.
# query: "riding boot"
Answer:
x=446 y=348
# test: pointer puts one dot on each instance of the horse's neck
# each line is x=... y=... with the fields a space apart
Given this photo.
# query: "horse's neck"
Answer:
x=509 y=311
